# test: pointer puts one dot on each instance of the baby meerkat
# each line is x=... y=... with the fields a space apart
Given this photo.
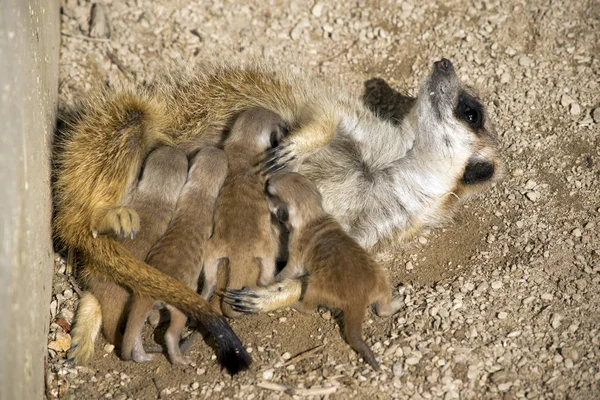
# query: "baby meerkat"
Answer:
x=243 y=233
x=106 y=304
x=338 y=272
x=180 y=251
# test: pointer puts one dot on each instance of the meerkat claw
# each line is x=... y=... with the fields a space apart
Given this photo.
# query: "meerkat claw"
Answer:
x=239 y=294
x=242 y=309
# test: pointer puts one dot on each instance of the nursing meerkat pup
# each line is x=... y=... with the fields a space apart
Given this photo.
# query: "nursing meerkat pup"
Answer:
x=179 y=253
x=106 y=304
x=376 y=177
x=243 y=233
x=339 y=272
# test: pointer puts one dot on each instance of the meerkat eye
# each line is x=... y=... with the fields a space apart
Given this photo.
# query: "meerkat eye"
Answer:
x=274 y=139
x=470 y=111
x=472 y=115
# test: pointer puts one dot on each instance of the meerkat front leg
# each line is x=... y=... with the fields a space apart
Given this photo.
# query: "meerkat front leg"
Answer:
x=311 y=136
x=261 y=299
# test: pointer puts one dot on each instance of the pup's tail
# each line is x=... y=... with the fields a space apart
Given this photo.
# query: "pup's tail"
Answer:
x=88 y=321
x=353 y=320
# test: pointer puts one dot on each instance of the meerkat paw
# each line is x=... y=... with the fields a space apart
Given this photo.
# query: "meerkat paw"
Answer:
x=180 y=360
x=286 y=155
x=120 y=221
x=260 y=299
x=140 y=356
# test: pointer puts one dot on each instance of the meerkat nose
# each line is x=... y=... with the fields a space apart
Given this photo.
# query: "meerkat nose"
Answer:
x=444 y=65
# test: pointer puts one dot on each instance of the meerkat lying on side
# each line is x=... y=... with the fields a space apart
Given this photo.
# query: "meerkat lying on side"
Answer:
x=106 y=304
x=339 y=272
x=243 y=233
x=180 y=251
x=376 y=177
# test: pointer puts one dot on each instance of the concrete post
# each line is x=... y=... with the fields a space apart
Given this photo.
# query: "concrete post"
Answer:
x=29 y=46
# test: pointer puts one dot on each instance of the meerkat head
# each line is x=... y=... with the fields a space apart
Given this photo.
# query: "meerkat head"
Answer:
x=293 y=199
x=258 y=130
x=452 y=119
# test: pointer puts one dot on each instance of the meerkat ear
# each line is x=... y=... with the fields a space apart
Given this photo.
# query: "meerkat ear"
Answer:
x=282 y=213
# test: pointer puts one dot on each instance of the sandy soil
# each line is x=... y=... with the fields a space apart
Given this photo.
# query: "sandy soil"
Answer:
x=504 y=302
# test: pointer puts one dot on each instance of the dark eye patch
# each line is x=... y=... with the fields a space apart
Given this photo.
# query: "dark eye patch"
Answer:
x=478 y=171
x=470 y=110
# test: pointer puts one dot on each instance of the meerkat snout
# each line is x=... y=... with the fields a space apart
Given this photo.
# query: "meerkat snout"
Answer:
x=444 y=65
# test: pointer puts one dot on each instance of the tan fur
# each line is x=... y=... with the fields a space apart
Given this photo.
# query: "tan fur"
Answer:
x=407 y=166
x=337 y=271
x=243 y=234
x=153 y=199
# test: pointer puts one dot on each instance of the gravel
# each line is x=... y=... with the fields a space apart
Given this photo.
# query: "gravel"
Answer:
x=503 y=302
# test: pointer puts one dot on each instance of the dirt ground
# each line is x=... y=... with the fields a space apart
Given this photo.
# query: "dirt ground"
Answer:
x=504 y=302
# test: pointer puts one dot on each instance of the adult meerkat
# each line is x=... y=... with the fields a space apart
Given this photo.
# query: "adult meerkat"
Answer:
x=106 y=304
x=338 y=272
x=243 y=232
x=376 y=177
x=180 y=251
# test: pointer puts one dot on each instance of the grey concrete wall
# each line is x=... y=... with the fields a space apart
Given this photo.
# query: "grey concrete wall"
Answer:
x=29 y=46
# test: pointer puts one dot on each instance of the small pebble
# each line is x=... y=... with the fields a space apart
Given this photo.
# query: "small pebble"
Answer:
x=409 y=266
x=525 y=61
x=530 y=185
x=533 y=196
x=517 y=172
x=412 y=360
x=566 y=100
x=109 y=348
x=596 y=115
x=496 y=285
x=575 y=109
x=548 y=296
x=317 y=9
x=502 y=315
x=268 y=374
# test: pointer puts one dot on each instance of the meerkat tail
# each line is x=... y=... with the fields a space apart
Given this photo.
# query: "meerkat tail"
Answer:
x=88 y=321
x=353 y=320
x=146 y=281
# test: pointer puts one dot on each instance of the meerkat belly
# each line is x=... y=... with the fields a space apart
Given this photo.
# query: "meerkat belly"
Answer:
x=364 y=202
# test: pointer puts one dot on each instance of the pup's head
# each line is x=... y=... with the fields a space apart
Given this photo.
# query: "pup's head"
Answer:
x=452 y=113
x=293 y=199
x=257 y=130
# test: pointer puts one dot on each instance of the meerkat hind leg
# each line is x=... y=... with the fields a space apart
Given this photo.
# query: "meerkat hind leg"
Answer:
x=173 y=336
x=387 y=306
x=119 y=220
x=267 y=270
x=211 y=267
